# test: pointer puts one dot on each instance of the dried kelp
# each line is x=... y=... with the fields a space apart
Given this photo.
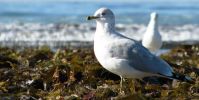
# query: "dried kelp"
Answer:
x=40 y=73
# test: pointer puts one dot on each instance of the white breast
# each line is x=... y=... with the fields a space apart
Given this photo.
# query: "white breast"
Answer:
x=152 y=42
x=112 y=64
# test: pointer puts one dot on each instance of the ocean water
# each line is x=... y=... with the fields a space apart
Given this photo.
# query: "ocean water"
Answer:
x=38 y=21
x=132 y=11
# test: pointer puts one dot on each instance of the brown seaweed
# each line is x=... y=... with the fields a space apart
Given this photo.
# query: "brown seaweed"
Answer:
x=40 y=73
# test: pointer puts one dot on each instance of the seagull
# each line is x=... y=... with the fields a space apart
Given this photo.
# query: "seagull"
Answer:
x=152 y=39
x=124 y=56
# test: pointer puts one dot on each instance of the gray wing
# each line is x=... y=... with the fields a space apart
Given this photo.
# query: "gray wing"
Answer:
x=141 y=59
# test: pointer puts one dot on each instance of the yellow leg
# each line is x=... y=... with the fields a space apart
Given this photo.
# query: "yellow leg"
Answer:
x=121 y=85
x=133 y=87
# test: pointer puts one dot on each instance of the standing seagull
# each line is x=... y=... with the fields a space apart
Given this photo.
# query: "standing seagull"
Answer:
x=124 y=56
x=152 y=39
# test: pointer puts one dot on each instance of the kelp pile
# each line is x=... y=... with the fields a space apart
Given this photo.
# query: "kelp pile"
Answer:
x=40 y=73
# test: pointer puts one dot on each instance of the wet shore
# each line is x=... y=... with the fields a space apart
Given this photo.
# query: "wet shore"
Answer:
x=77 y=44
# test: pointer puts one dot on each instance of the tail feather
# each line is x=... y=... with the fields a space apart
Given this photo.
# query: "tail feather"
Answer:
x=180 y=77
x=183 y=78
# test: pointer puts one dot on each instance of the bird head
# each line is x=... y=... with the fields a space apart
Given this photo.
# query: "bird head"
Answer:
x=103 y=15
x=154 y=15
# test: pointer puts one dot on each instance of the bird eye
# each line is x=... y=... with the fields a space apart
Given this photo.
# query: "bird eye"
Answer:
x=103 y=14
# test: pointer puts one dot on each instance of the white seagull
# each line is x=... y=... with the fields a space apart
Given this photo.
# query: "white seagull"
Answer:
x=152 y=39
x=124 y=56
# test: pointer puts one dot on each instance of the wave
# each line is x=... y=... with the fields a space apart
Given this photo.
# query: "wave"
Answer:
x=51 y=33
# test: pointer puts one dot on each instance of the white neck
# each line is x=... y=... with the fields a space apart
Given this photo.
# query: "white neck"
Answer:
x=153 y=25
x=105 y=28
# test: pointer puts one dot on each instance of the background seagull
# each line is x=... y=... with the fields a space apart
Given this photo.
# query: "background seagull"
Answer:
x=152 y=39
x=124 y=56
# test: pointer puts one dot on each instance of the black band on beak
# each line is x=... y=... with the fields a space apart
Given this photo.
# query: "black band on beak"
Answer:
x=92 y=17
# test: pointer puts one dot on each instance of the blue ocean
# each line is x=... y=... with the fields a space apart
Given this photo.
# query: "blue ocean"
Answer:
x=54 y=22
x=175 y=12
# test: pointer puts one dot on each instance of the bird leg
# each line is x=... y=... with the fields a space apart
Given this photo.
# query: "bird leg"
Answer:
x=133 y=87
x=124 y=88
x=121 y=85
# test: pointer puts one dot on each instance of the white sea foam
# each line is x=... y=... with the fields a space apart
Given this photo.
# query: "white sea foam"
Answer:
x=36 y=32
x=41 y=32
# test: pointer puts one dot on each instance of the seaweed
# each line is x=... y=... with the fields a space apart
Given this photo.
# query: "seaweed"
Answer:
x=41 y=73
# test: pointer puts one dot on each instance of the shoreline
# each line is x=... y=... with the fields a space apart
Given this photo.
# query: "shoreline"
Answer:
x=77 y=44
